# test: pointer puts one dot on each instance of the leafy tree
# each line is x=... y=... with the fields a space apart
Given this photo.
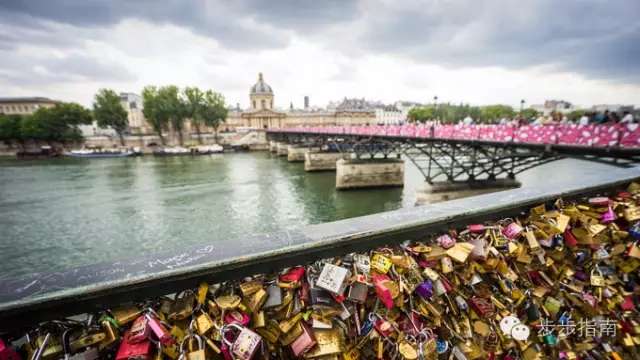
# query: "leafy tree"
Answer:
x=215 y=111
x=153 y=111
x=493 y=113
x=194 y=107
x=59 y=123
x=109 y=112
x=529 y=113
x=422 y=114
x=575 y=115
x=10 y=128
x=173 y=108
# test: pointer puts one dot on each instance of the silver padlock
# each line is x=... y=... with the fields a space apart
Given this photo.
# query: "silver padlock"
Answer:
x=333 y=278
x=274 y=296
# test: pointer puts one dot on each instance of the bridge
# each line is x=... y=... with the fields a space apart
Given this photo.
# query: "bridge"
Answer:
x=27 y=301
x=455 y=156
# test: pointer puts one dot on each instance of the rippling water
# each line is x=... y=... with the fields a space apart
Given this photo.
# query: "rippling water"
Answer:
x=61 y=213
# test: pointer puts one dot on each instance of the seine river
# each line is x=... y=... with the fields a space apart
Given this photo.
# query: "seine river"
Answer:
x=61 y=213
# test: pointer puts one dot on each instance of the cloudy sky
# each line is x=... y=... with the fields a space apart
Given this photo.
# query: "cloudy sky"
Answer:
x=480 y=52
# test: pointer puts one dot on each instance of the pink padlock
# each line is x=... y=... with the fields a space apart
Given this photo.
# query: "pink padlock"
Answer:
x=512 y=231
x=446 y=241
x=246 y=343
x=608 y=217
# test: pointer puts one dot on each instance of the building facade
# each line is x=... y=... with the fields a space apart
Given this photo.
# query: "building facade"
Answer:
x=24 y=105
x=132 y=103
x=263 y=115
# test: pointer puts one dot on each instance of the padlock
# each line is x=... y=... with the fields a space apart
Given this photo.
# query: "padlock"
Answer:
x=333 y=278
x=380 y=263
x=304 y=342
x=596 y=277
x=246 y=343
x=137 y=350
x=358 y=292
x=140 y=330
x=182 y=306
x=198 y=354
x=7 y=352
x=274 y=296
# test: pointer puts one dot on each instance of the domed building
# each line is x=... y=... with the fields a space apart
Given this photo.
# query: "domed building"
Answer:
x=261 y=113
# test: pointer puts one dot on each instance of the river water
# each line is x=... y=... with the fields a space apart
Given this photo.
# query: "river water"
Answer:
x=61 y=213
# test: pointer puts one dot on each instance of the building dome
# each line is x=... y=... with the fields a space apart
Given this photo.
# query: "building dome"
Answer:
x=261 y=87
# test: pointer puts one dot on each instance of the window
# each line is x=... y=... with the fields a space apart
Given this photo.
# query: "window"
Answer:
x=263 y=103
x=254 y=104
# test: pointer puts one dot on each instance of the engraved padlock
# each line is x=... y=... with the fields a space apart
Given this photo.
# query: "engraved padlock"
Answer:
x=246 y=343
x=333 y=278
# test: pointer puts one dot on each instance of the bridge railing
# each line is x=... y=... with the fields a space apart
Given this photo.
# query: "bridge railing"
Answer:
x=605 y=135
x=91 y=288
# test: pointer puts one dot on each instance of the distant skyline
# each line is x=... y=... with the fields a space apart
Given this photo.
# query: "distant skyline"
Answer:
x=498 y=51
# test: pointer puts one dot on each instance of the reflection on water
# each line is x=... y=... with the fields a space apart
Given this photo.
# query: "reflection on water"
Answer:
x=61 y=213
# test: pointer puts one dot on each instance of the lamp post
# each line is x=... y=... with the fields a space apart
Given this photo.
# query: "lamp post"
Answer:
x=435 y=106
x=521 y=106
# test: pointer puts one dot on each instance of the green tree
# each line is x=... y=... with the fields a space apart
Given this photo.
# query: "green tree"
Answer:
x=153 y=111
x=492 y=113
x=109 y=112
x=529 y=113
x=422 y=114
x=59 y=123
x=194 y=107
x=215 y=111
x=173 y=108
x=575 y=115
x=10 y=129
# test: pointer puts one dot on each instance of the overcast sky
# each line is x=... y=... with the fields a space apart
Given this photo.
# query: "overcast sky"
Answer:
x=478 y=52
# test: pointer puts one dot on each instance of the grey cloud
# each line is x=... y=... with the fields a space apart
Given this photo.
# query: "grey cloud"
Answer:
x=214 y=19
x=73 y=68
x=596 y=38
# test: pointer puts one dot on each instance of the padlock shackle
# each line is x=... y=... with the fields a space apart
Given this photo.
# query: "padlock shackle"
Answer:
x=223 y=332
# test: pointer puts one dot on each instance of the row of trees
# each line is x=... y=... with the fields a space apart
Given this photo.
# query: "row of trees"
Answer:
x=56 y=124
x=168 y=107
x=448 y=113
x=164 y=107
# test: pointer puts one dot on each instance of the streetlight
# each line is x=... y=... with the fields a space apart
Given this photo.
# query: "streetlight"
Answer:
x=435 y=106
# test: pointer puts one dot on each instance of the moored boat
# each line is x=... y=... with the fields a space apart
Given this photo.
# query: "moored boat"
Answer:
x=103 y=153
x=207 y=149
x=172 y=151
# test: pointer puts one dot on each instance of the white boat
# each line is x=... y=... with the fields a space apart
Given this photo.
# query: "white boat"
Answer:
x=172 y=151
x=207 y=149
x=101 y=153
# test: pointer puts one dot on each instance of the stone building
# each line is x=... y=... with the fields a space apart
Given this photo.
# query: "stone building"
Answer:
x=24 y=105
x=262 y=114
x=132 y=103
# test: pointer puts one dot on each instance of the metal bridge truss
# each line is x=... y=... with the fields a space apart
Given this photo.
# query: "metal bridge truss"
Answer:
x=455 y=160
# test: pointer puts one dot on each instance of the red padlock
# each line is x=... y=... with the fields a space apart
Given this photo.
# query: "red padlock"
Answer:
x=7 y=352
x=293 y=275
x=139 y=350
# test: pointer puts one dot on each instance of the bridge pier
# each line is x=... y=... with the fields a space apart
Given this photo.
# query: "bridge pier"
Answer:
x=281 y=149
x=322 y=161
x=359 y=173
x=445 y=191
x=296 y=153
x=273 y=146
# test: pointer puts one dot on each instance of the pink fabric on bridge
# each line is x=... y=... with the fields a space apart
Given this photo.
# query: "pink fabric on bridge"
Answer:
x=569 y=134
